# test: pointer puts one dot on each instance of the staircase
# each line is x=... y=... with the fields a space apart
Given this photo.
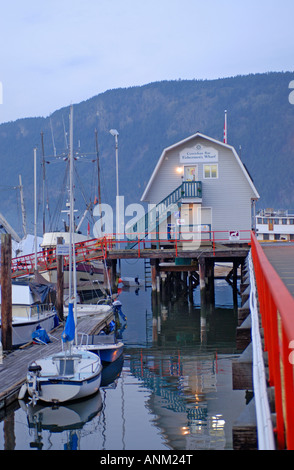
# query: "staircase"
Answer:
x=159 y=213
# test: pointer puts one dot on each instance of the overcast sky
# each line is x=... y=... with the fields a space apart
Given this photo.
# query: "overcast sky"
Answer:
x=59 y=52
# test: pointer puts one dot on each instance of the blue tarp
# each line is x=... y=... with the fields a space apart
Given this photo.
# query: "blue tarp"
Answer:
x=69 y=330
x=40 y=335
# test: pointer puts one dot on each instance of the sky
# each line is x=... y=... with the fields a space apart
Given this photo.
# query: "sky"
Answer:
x=62 y=52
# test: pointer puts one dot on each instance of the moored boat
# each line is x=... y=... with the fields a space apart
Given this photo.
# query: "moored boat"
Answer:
x=64 y=377
x=105 y=345
x=72 y=373
x=31 y=309
x=23 y=328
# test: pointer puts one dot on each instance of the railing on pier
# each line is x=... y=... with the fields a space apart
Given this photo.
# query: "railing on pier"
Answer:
x=96 y=249
x=183 y=236
x=47 y=259
x=276 y=306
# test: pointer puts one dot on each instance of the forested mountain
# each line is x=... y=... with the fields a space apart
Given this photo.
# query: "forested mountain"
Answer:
x=148 y=119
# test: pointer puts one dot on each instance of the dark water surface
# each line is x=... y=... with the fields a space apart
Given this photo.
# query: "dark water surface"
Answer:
x=171 y=391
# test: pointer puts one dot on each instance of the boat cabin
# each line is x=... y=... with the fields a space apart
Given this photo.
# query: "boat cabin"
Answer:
x=274 y=226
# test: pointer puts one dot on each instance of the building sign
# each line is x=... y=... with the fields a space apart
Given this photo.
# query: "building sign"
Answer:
x=199 y=154
x=234 y=235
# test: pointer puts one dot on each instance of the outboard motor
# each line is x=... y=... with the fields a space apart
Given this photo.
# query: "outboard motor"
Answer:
x=34 y=373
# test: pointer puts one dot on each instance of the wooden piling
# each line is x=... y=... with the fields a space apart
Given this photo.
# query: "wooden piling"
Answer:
x=6 y=292
x=154 y=273
x=202 y=281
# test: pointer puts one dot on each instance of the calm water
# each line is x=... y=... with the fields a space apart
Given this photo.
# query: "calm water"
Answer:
x=171 y=391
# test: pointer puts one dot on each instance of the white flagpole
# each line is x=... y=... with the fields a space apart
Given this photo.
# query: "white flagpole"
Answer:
x=226 y=129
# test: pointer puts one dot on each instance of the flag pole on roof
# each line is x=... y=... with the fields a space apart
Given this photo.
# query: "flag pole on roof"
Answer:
x=226 y=129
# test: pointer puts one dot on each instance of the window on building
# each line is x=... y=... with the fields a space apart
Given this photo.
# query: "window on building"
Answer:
x=210 y=171
x=284 y=221
x=291 y=221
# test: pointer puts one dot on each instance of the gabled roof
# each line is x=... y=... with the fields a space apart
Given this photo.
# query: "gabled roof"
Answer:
x=210 y=139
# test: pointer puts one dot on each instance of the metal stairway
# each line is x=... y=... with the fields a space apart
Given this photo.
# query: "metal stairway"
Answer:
x=159 y=213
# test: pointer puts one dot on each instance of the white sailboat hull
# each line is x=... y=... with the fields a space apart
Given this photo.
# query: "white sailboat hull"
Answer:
x=51 y=387
x=22 y=328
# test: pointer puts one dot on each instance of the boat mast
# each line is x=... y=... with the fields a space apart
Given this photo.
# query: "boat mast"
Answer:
x=35 y=207
x=99 y=185
x=44 y=178
x=23 y=211
x=72 y=255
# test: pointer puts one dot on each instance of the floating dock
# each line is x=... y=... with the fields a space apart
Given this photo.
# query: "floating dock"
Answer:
x=14 y=366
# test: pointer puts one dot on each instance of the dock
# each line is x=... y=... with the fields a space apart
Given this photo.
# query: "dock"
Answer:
x=265 y=336
x=281 y=258
x=14 y=366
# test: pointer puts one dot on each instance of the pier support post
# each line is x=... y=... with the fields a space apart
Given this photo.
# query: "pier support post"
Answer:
x=206 y=280
x=210 y=295
x=6 y=292
x=235 y=288
x=154 y=273
x=202 y=281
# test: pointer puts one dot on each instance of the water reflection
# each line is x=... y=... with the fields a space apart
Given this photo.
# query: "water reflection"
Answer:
x=58 y=419
x=172 y=389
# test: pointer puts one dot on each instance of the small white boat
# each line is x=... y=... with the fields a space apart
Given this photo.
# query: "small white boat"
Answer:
x=106 y=346
x=90 y=309
x=30 y=311
x=23 y=328
x=64 y=377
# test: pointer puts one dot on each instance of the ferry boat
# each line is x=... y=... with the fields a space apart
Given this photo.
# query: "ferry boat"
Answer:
x=275 y=226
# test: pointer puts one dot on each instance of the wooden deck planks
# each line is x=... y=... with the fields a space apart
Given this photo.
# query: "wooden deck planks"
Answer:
x=281 y=258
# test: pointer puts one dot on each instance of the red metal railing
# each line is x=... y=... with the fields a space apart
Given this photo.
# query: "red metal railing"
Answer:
x=98 y=248
x=277 y=314
x=46 y=259
x=214 y=236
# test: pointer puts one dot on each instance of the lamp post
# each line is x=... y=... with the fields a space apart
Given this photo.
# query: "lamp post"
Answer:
x=115 y=134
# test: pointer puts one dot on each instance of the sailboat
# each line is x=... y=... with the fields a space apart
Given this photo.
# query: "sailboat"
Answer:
x=72 y=373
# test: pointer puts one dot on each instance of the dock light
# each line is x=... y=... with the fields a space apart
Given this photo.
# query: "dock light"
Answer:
x=179 y=170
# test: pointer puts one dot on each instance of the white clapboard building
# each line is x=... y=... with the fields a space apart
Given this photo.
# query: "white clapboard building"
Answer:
x=199 y=185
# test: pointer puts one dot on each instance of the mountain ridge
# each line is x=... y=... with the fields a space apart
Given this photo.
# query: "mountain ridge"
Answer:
x=150 y=118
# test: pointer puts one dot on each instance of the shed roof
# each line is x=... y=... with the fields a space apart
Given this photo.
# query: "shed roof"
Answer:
x=210 y=139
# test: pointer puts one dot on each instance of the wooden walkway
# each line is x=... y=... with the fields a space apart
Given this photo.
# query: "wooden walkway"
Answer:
x=14 y=366
x=281 y=258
